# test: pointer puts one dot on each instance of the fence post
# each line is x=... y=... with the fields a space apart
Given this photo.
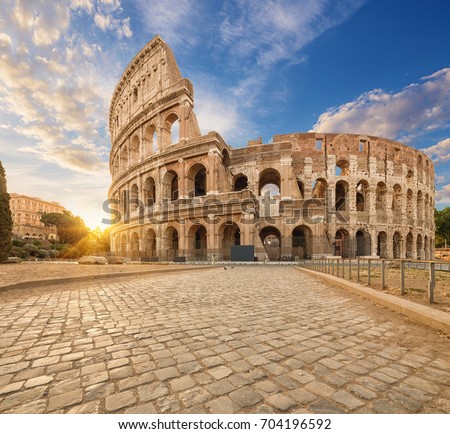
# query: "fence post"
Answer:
x=368 y=271
x=358 y=272
x=383 y=277
x=402 y=277
x=432 y=282
x=332 y=267
x=350 y=269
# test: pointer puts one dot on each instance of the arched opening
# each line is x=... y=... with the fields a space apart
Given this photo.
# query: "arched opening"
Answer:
x=199 y=243
x=420 y=168
x=197 y=180
x=225 y=158
x=361 y=195
x=382 y=245
x=419 y=208
x=319 y=189
x=301 y=242
x=134 y=150
x=171 y=243
x=426 y=249
x=173 y=128
x=381 y=196
x=134 y=197
x=419 y=247
x=341 y=196
x=342 y=245
x=170 y=186
x=427 y=208
x=231 y=237
x=397 y=201
x=149 y=191
x=124 y=158
x=150 y=244
x=116 y=166
x=363 y=243
x=150 y=140
x=135 y=254
x=124 y=246
x=409 y=245
x=269 y=183
x=397 y=245
x=342 y=168
x=240 y=183
x=301 y=188
x=409 y=205
x=271 y=239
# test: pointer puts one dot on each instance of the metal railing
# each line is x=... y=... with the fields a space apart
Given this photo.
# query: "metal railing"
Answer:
x=414 y=278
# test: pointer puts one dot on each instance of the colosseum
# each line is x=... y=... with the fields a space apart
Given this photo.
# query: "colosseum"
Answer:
x=184 y=196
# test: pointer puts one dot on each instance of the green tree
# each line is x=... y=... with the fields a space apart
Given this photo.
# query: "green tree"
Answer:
x=71 y=229
x=442 y=222
x=5 y=218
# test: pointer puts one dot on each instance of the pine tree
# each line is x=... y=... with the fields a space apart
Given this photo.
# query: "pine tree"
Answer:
x=5 y=218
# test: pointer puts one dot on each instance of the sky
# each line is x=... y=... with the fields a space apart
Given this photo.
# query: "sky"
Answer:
x=259 y=68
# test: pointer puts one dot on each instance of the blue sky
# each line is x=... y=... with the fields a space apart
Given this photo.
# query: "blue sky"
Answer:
x=259 y=68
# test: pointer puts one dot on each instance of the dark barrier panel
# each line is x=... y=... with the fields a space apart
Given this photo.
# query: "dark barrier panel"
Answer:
x=242 y=253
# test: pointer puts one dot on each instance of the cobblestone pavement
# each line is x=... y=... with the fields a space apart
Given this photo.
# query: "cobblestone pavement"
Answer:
x=248 y=339
x=30 y=271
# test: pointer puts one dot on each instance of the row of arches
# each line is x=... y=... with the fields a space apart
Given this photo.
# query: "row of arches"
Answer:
x=382 y=198
x=300 y=243
x=154 y=139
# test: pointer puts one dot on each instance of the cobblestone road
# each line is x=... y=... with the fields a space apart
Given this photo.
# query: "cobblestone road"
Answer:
x=248 y=339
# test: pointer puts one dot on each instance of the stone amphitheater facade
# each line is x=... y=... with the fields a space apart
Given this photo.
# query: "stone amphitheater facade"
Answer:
x=181 y=195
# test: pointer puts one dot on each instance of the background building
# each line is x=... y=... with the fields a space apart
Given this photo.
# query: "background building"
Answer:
x=186 y=195
x=26 y=212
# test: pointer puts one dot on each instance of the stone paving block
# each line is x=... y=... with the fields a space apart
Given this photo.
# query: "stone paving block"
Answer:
x=167 y=373
x=246 y=396
x=98 y=377
x=280 y=402
x=11 y=387
x=182 y=383
x=33 y=407
x=119 y=400
x=347 y=399
x=134 y=381
x=222 y=405
x=361 y=391
x=321 y=389
x=152 y=391
x=119 y=373
x=38 y=381
x=98 y=391
x=147 y=408
x=420 y=383
x=87 y=408
x=220 y=372
x=220 y=387
x=192 y=397
x=64 y=400
x=93 y=368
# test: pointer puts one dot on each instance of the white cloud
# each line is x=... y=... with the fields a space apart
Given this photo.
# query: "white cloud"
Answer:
x=443 y=195
x=103 y=21
x=5 y=41
x=416 y=109
x=440 y=152
x=175 y=20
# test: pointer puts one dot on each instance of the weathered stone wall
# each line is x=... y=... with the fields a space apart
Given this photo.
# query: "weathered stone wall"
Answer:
x=304 y=195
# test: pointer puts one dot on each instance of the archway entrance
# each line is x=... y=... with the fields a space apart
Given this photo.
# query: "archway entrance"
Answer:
x=382 y=245
x=271 y=239
x=231 y=237
x=363 y=244
x=341 y=247
x=301 y=242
